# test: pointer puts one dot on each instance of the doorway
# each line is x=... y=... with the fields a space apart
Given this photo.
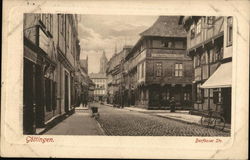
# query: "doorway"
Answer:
x=66 y=92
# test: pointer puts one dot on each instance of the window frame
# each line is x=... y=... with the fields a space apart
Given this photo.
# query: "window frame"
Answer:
x=178 y=68
x=192 y=31
x=198 y=27
x=199 y=93
x=158 y=66
x=217 y=96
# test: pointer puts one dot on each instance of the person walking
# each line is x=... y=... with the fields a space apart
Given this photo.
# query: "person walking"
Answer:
x=172 y=105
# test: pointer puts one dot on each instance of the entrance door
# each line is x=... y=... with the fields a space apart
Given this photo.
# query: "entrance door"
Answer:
x=176 y=93
x=132 y=101
x=29 y=101
x=39 y=97
x=226 y=104
x=66 y=95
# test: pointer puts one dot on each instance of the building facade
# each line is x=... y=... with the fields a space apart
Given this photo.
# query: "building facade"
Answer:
x=158 y=68
x=209 y=44
x=100 y=90
x=51 y=52
x=114 y=72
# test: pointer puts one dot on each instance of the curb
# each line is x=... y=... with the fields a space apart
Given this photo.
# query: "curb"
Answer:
x=179 y=120
x=198 y=124
x=100 y=127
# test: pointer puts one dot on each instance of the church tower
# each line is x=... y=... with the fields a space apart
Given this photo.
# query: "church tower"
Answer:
x=103 y=63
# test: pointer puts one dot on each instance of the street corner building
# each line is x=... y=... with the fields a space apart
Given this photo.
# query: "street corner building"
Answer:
x=158 y=67
x=209 y=44
x=53 y=76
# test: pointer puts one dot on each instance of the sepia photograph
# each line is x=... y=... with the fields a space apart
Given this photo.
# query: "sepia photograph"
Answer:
x=125 y=75
x=125 y=79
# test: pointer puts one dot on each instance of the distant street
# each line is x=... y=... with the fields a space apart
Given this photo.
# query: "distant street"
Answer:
x=121 y=122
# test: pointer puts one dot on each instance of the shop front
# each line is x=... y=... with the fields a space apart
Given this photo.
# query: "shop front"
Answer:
x=220 y=82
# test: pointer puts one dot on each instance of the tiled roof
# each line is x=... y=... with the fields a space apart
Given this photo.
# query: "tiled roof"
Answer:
x=97 y=75
x=166 y=26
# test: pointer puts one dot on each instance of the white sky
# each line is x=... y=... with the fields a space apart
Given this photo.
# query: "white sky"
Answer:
x=104 y=32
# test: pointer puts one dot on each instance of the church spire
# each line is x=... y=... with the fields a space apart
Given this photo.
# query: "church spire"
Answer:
x=103 y=63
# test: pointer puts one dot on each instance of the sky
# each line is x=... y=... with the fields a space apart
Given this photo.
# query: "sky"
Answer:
x=98 y=33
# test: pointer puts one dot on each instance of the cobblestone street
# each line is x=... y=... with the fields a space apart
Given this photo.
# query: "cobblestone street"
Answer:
x=121 y=122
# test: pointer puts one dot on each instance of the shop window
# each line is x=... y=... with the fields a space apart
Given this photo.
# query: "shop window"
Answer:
x=168 y=95
x=192 y=31
x=158 y=69
x=229 y=30
x=217 y=96
x=198 y=27
x=178 y=70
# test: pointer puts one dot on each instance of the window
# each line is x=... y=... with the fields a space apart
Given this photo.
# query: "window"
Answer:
x=229 y=30
x=204 y=58
x=210 y=20
x=168 y=44
x=194 y=61
x=218 y=55
x=178 y=70
x=217 y=96
x=192 y=30
x=199 y=93
x=186 y=96
x=62 y=24
x=198 y=27
x=198 y=61
x=158 y=69
x=168 y=95
x=68 y=35
x=142 y=70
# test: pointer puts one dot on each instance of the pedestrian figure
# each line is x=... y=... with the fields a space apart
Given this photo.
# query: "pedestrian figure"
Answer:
x=172 y=105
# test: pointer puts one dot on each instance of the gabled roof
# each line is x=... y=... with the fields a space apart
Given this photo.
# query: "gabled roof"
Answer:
x=166 y=26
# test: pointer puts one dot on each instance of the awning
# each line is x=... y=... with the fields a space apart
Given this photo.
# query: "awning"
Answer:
x=221 y=78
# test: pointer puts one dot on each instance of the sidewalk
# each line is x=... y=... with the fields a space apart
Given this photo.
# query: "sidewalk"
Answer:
x=179 y=115
x=80 y=123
